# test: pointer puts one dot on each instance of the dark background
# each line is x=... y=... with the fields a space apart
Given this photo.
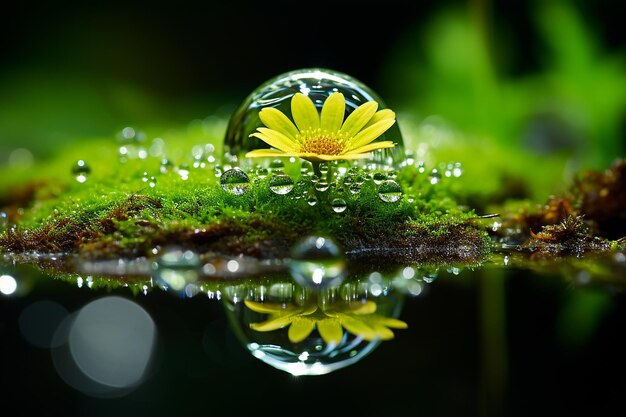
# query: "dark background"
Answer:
x=183 y=51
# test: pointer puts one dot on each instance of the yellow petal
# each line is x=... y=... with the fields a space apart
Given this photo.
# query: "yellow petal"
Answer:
x=333 y=112
x=368 y=134
x=276 y=120
x=367 y=307
x=300 y=329
x=395 y=323
x=304 y=112
x=266 y=153
x=373 y=146
x=382 y=332
x=269 y=308
x=275 y=139
x=273 y=324
x=381 y=115
x=358 y=328
x=330 y=330
x=359 y=118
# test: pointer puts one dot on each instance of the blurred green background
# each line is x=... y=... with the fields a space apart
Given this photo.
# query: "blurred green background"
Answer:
x=547 y=77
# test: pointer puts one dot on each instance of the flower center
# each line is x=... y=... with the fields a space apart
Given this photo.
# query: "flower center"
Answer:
x=321 y=142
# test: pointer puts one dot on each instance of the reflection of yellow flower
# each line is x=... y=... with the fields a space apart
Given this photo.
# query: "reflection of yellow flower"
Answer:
x=323 y=138
x=358 y=319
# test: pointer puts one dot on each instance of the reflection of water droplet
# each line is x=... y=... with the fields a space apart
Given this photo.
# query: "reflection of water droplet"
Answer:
x=317 y=261
x=81 y=170
x=339 y=205
x=281 y=184
x=317 y=84
x=390 y=191
x=235 y=181
x=175 y=269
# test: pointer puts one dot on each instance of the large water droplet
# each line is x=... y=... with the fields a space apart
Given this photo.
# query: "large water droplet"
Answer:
x=317 y=84
x=176 y=269
x=318 y=262
x=81 y=170
x=390 y=191
x=235 y=181
x=281 y=184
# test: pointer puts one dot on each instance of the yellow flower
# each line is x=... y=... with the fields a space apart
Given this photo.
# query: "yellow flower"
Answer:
x=325 y=137
x=359 y=319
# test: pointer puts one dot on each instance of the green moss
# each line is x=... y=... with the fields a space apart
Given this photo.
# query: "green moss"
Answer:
x=115 y=212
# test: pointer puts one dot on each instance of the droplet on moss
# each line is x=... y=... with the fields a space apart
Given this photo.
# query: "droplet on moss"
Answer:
x=317 y=84
x=235 y=181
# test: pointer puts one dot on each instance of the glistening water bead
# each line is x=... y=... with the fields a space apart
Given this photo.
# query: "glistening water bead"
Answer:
x=318 y=84
x=80 y=170
x=389 y=191
x=281 y=184
x=235 y=181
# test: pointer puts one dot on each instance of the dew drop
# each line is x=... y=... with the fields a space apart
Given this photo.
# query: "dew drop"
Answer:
x=261 y=172
x=338 y=205
x=390 y=191
x=235 y=181
x=166 y=166
x=323 y=168
x=80 y=171
x=379 y=177
x=317 y=261
x=311 y=201
x=355 y=188
x=281 y=184
x=277 y=166
x=434 y=176
x=321 y=186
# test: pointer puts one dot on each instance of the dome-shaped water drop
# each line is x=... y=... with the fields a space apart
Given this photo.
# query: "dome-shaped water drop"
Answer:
x=307 y=113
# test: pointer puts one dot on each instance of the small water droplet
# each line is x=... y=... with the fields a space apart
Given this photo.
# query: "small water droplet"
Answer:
x=277 y=166
x=235 y=181
x=165 y=166
x=281 y=184
x=421 y=167
x=261 y=172
x=4 y=220
x=81 y=170
x=355 y=188
x=434 y=176
x=323 y=168
x=321 y=186
x=311 y=201
x=183 y=171
x=338 y=205
x=317 y=262
x=379 y=177
x=389 y=191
